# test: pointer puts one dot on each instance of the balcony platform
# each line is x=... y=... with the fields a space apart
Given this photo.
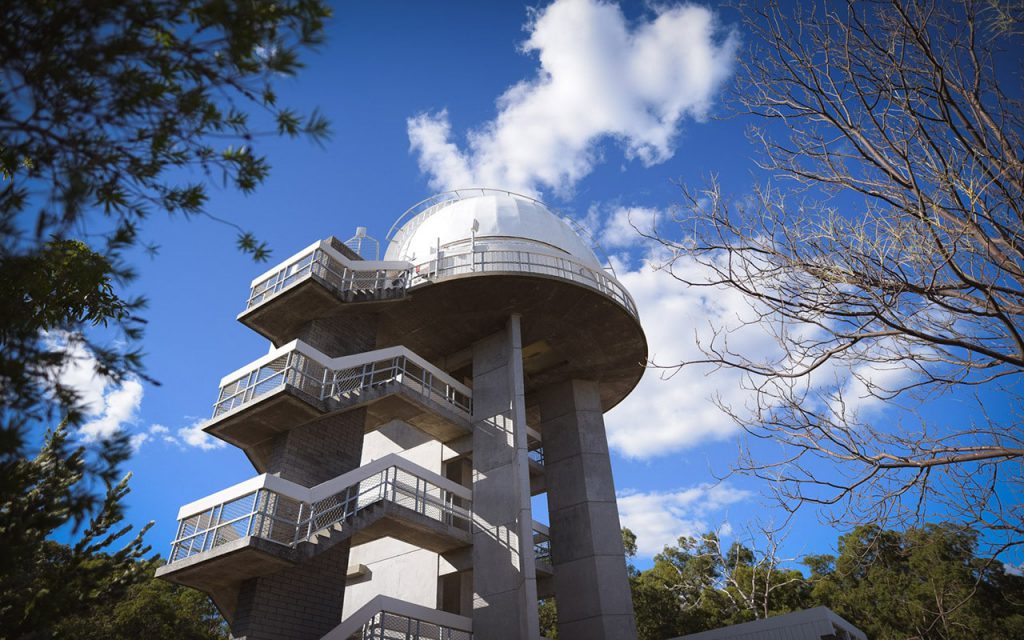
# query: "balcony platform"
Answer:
x=402 y=523
x=286 y=408
x=280 y=317
x=296 y=385
x=220 y=570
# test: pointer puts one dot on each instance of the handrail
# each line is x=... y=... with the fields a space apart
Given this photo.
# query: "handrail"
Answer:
x=442 y=198
x=340 y=272
x=370 y=620
x=520 y=261
x=392 y=278
x=300 y=366
x=541 y=542
x=287 y=513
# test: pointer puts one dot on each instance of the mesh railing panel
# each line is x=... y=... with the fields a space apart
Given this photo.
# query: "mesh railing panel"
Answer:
x=542 y=550
x=391 y=626
x=272 y=516
x=302 y=372
x=261 y=513
x=335 y=274
x=517 y=261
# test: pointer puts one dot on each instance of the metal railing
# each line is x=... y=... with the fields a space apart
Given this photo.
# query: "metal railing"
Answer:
x=541 y=543
x=415 y=215
x=394 y=485
x=519 y=261
x=537 y=455
x=340 y=274
x=302 y=367
x=284 y=516
x=392 y=279
x=261 y=513
x=392 y=626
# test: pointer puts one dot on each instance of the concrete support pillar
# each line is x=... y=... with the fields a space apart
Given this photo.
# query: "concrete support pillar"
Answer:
x=591 y=584
x=504 y=575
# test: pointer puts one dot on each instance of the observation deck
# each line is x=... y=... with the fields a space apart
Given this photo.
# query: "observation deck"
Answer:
x=295 y=384
x=456 y=265
x=472 y=362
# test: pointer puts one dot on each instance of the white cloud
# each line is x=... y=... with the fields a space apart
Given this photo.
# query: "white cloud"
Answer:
x=194 y=436
x=108 y=407
x=79 y=373
x=138 y=440
x=659 y=518
x=866 y=386
x=666 y=414
x=120 y=408
x=598 y=79
x=624 y=226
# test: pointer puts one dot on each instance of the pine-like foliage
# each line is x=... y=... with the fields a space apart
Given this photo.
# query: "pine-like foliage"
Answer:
x=41 y=581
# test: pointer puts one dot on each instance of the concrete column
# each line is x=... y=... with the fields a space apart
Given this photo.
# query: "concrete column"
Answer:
x=504 y=575
x=591 y=584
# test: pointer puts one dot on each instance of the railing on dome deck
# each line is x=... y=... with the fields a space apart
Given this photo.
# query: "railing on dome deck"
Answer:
x=340 y=273
x=518 y=261
x=301 y=367
x=415 y=215
x=280 y=511
x=384 y=280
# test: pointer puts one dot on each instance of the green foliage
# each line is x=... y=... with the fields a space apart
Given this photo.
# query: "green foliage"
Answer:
x=922 y=583
x=695 y=586
x=150 y=609
x=548 y=619
x=43 y=582
x=109 y=112
x=60 y=286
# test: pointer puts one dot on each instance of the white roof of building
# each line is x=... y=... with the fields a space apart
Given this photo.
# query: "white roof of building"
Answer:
x=499 y=218
x=808 y=624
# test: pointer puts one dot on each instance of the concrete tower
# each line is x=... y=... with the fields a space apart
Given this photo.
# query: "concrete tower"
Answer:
x=407 y=412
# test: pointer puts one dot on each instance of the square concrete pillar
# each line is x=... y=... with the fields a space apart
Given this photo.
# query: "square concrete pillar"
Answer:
x=504 y=573
x=591 y=583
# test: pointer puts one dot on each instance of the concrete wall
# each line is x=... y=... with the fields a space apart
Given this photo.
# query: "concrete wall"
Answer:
x=397 y=569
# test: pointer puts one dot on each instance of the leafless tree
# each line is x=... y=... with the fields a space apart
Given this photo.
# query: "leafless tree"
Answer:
x=885 y=256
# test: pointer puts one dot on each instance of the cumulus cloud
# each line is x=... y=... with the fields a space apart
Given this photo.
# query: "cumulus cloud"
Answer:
x=599 y=78
x=154 y=433
x=665 y=414
x=626 y=226
x=79 y=373
x=672 y=410
x=107 y=407
x=194 y=436
x=659 y=518
x=120 y=408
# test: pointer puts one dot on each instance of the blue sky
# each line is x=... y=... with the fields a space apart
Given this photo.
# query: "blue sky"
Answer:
x=597 y=109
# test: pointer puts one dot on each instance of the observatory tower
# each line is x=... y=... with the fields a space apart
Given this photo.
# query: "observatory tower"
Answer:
x=408 y=411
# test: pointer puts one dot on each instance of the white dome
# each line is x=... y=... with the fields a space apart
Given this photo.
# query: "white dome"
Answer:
x=503 y=221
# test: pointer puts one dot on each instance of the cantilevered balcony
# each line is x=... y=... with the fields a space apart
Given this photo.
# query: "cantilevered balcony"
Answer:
x=318 y=281
x=266 y=523
x=296 y=383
